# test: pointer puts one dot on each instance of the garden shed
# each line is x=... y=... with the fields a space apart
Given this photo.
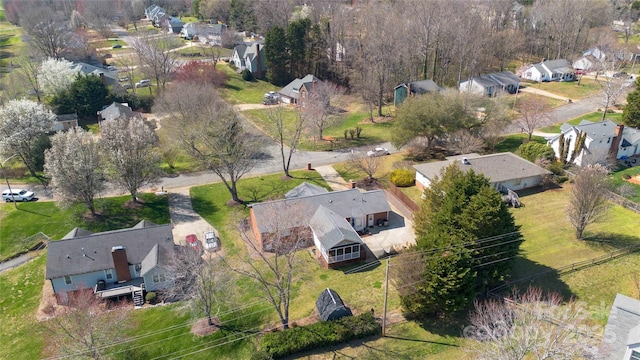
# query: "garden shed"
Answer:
x=330 y=306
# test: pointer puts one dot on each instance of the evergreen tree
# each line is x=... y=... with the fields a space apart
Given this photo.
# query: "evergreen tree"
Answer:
x=275 y=48
x=469 y=239
x=631 y=112
x=87 y=95
x=297 y=39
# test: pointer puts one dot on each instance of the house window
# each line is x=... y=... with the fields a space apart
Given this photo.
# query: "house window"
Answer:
x=635 y=355
x=517 y=181
x=67 y=280
x=344 y=253
x=158 y=278
x=108 y=274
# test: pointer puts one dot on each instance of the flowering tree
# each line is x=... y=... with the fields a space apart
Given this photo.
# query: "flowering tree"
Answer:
x=132 y=158
x=73 y=164
x=23 y=127
x=55 y=75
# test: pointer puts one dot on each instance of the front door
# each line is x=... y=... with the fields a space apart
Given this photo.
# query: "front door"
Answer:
x=370 y=220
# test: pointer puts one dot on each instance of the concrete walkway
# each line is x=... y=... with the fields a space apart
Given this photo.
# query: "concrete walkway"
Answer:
x=533 y=90
x=331 y=176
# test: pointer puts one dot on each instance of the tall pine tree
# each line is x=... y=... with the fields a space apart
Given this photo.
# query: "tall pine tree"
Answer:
x=468 y=238
x=275 y=45
x=631 y=112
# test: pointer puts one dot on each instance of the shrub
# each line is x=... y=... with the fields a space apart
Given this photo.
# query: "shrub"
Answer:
x=402 y=177
x=557 y=168
x=151 y=297
x=626 y=176
x=261 y=355
x=247 y=75
x=291 y=341
x=562 y=178
x=533 y=151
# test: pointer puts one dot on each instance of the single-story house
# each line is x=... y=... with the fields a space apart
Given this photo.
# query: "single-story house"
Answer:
x=305 y=189
x=296 y=91
x=621 y=340
x=591 y=60
x=65 y=122
x=205 y=33
x=330 y=220
x=110 y=77
x=402 y=91
x=549 y=70
x=504 y=170
x=492 y=84
x=118 y=110
x=250 y=56
x=604 y=140
x=330 y=306
x=112 y=263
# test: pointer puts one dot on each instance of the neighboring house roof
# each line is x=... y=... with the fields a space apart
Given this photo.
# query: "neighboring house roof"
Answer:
x=596 y=53
x=623 y=327
x=117 y=110
x=421 y=87
x=292 y=89
x=558 y=66
x=501 y=79
x=81 y=251
x=66 y=117
x=496 y=167
x=240 y=49
x=347 y=203
x=97 y=71
x=330 y=306
x=305 y=189
x=332 y=229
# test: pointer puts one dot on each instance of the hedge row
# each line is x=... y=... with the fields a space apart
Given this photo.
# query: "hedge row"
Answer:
x=283 y=343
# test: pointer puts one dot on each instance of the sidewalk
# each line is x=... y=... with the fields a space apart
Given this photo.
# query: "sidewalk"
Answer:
x=331 y=176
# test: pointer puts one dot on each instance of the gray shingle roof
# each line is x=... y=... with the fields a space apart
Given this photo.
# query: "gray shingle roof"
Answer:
x=292 y=89
x=66 y=117
x=346 y=203
x=87 y=69
x=497 y=167
x=67 y=257
x=240 y=49
x=424 y=86
x=332 y=229
x=623 y=327
x=305 y=189
x=116 y=110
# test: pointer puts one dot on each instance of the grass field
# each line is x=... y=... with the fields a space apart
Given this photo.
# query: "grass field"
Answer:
x=33 y=217
x=595 y=116
x=239 y=91
x=511 y=143
x=617 y=180
x=571 y=89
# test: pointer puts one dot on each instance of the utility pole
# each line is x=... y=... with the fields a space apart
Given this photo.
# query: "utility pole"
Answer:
x=386 y=295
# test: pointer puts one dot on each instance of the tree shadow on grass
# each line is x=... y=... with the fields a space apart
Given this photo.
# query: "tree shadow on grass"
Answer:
x=608 y=242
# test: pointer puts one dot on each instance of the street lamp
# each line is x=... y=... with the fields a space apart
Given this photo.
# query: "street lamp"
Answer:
x=4 y=172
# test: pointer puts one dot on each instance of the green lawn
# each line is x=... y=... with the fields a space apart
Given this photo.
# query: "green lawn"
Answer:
x=617 y=180
x=239 y=91
x=511 y=143
x=108 y=43
x=594 y=117
x=571 y=89
x=33 y=217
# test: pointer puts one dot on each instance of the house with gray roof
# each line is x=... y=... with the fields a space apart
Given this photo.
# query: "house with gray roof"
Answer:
x=402 y=91
x=250 y=56
x=491 y=84
x=504 y=170
x=305 y=189
x=109 y=77
x=605 y=141
x=65 y=122
x=172 y=25
x=112 y=263
x=296 y=91
x=332 y=221
x=118 y=110
x=621 y=340
x=549 y=70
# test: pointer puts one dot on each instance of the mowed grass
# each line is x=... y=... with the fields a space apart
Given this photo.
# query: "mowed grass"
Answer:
x=595 y=116
x=511 y=143
x=617 y=180
x=570 y=89
x=33 y=217
x=550 y=244
x=239 y=91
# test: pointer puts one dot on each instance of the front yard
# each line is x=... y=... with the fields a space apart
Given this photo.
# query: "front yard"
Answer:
x=569 y=89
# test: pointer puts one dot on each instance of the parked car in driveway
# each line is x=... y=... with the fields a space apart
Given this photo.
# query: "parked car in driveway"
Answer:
x=211 y=241
x=17 y=195
x=143 y=83
x=379 y=151
x=193 y=242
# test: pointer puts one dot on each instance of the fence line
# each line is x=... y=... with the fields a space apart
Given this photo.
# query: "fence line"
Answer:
x=616 y=198
x=403 y=198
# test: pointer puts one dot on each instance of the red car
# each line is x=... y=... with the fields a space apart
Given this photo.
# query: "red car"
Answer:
x=193 y=242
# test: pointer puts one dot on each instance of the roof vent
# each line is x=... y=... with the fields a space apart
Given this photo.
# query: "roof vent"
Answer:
x=330 y=200
x=120 y=247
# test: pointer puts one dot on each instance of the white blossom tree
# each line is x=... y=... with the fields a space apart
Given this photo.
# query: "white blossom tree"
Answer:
x=74 y=167
x=130 y=150
x=55 y=75
x=23 y=125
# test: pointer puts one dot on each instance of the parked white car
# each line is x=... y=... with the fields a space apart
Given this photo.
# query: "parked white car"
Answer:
x=17 y=195
x=211 y=241
x=143 y=83
x=379 y=151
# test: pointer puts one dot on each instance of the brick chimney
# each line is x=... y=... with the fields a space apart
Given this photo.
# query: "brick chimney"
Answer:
x=615 y=144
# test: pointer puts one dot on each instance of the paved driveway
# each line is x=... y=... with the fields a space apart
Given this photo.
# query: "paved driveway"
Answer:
x=184 y=219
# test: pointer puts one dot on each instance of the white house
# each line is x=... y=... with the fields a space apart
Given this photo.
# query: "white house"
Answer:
x=504 y=170
x=491 y=84
x=65 y=122
x=621 y=340
x=604 y=140
x=549 y=70
x=250 y=56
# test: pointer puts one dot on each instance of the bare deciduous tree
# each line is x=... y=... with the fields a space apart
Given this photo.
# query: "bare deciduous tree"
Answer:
x=205 y=280
x=359 y=160
x=463 y=142
x=87 y=327
x=130 y=150
x=587 y=201
x=49 y=33
x=320 y=109
x=99 y=15
x=23 y=125
x=211 y=133
x=530 y=325
x=533 y=113
x=275 y=271
x=611 y=86
x=29 y=68
x=156 y=61
x=289 y=133
x=74 y=166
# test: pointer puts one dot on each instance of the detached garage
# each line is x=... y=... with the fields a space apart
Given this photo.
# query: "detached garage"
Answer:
x=330 y=306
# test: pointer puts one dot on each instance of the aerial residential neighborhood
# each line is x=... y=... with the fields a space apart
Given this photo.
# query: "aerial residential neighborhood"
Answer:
x=330 y=179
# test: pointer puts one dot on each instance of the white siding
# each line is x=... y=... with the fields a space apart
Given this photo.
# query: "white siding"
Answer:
x=422 y=180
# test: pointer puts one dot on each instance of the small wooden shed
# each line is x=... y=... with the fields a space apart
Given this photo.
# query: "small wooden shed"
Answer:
x=330 y=306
